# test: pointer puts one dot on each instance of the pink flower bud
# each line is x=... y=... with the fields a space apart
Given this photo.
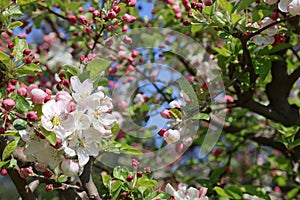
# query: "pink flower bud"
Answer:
x=127 y=40
x=132 y=3
x=32 y=116
x=161 y=132
x=129 y=178
x=111 y=14
x=48 y=91
x=22 y=91
x=109 y=42
x=126 y=18
x=25 y=172
x=134 y=53
x=69 y=167
x=38 y=96
x=96 y=13
x=8 y=104
x=148 y=170
x=135 y=162
x=176 y=8
x=63 y=96
x=3 y=172
x=30 y=88
x=83 y=19
x=166 y=114
x=49 y=187
x=72 y=19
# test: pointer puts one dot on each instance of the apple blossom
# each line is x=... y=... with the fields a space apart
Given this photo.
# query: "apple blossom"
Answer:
x=84 y=142
x=81 y=90
x=55 y=118
x=26 y=172
x=291 y=6
x=185 y=193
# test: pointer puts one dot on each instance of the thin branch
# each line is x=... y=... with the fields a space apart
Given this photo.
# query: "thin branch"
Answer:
x=268 y=26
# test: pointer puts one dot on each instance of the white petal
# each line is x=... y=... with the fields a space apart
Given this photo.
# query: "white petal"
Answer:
x=283 y=4
x=170 y=190
x=83 y=156
x=193 y=192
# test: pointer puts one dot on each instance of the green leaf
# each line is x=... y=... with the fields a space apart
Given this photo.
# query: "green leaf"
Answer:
x=294 y=143
x=74 y=5
x=72 y=69
x=12 y=163
x=243 y=4
x=130 y=150
x=226 y=5
x=196 y=27
x=28 y=69
x=83 y=76
x=2 y=163
x=23 y=2
x=62 y=178
x=176 y=113
x=147 y=183
x=15 y=24
x=20 y=124
x=20 y=45
x=22 y=105
x=97 y=66
x=262 y=67
x=234 y=191
x=106 y=179
x=3 y=56
x=120 y=173
x=4 y=3
x=256 y=190
x=116 y=185
x=215 y=175
x=235 y=18
x=10 y=148
x=221 y=192
x=100 y=81
x=201 y=116
x=293 y=193
x=50 y=135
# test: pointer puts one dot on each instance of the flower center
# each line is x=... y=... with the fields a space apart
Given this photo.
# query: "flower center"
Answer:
x=55 y=120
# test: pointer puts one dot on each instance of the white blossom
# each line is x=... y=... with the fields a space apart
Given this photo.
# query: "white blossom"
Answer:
x=185 y=193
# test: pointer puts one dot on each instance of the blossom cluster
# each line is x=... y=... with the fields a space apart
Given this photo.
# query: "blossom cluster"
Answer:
x=185 y=193
x=79 y=119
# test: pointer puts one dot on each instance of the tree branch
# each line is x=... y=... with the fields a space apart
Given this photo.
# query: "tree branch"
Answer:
x=87 y=181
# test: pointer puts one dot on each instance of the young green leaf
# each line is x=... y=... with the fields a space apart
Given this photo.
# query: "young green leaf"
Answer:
x=10 y=148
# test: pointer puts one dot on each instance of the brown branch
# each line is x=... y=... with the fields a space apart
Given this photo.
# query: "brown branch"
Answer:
x=20 y=183
x=268 y=26
x=87 y=181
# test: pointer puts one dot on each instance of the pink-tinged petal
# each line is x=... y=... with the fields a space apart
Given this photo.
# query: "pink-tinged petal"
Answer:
x=98 y=126
x=202 y=191
x=283 y=5
x=294 y=7
x=270 y=2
